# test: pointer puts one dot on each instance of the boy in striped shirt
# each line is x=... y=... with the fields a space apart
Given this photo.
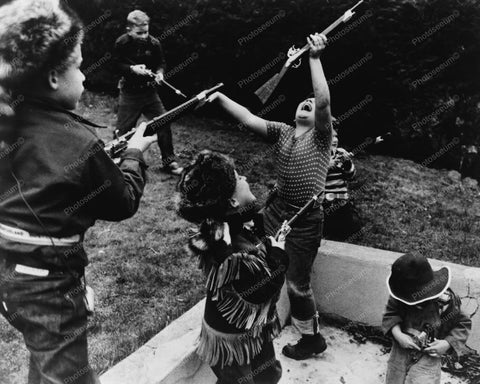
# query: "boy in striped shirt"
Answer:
x=341 y=218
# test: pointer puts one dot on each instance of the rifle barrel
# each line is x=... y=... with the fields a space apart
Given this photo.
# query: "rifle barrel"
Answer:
x=115 y=147
x=325 y=32
x=266 y=90
x=159 y=121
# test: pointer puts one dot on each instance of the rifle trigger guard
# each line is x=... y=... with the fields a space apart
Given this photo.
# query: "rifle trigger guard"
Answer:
x=291 y=52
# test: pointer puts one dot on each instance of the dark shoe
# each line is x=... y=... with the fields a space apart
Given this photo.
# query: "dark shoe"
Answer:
x=306 y=347
x=173 y=168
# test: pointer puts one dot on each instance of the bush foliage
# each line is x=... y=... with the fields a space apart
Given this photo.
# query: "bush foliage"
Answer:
x=420 y=78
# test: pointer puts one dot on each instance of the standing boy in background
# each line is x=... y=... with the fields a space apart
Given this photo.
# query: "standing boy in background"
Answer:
x=141 y=62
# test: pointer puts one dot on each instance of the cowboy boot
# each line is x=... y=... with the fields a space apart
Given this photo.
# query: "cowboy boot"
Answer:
x=308 y=345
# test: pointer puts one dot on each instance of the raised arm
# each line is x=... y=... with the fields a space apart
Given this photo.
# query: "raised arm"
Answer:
x=240 y=113
x=323 y=117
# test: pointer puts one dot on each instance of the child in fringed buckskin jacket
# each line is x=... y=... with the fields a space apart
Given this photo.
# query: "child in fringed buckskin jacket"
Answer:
x=425 y=319
x=243 y=279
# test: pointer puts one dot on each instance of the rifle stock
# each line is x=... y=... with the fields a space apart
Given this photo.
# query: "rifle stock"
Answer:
x=266 y=90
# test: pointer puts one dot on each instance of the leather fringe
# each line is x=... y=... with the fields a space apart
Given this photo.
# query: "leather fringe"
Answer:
x=229 y=270
x=241 y=313
x=216 y=347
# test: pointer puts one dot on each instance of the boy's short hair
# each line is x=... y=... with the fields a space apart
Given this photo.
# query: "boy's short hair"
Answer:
x=137 y=18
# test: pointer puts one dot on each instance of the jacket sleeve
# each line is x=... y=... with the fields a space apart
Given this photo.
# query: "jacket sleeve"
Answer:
x=392 y=315
x=121 y=59
x=160 y=57
x=260 y=286
x=115 y=190
x=457 y=337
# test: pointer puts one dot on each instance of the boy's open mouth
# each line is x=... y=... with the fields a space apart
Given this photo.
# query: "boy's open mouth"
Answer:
x=306 y=107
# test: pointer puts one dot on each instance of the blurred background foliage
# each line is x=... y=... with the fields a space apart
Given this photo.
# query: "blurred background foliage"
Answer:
x=434 y=40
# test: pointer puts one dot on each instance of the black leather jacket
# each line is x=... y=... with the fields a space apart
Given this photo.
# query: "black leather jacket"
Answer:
x=67 y=179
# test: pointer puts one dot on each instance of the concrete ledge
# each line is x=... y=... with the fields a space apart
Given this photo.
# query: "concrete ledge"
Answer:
x=155 y=360
x=349 y=281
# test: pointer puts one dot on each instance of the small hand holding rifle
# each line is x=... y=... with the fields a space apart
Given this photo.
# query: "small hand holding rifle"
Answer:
x=140 y=69
x=138 y=141
x=280 y=237
x=437 y=348
x=159 y=77
x=405 y=341
x=317 y=42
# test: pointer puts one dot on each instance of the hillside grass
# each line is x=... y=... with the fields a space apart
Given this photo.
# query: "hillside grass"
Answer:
x=144 y=278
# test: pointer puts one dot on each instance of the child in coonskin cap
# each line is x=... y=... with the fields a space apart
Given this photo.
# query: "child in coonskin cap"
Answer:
x=56 y=180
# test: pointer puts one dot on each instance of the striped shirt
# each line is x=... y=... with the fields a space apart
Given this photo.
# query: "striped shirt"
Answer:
x=340 y=171
x=302 y=162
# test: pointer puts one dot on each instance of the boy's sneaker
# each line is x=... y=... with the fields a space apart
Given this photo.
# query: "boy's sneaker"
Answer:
x=173 y=168
x=306 y=347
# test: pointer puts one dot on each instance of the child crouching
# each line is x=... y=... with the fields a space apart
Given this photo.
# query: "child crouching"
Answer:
x=425 y=319
x=243 y=280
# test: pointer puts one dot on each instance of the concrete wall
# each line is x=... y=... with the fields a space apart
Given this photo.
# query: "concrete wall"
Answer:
x=349 y=281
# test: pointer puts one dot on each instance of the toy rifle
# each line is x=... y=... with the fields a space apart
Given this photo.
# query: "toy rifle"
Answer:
x=115 y=147
x=152 y=74
x=314 y=198
x=266 y=90
x=176 y=90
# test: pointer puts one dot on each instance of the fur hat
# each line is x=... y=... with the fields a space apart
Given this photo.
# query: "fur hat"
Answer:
x=35 y=35
x=206 y=187
x=412 y=280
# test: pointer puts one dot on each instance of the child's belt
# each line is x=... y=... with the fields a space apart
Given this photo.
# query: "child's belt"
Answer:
x=315 y=205
x=21 y=236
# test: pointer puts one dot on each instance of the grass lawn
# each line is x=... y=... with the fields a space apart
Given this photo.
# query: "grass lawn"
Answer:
x=144 y=279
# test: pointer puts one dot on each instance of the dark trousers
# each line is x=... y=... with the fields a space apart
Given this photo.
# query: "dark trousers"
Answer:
x=263 y=369
x=132 y=105
x=51 y=315
x=341 y=220
x=301 y=246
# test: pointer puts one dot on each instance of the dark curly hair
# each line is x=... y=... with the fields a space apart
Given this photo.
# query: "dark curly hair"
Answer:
x=206 y=186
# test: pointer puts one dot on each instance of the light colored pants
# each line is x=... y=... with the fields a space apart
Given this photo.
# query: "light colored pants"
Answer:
x=401 y=370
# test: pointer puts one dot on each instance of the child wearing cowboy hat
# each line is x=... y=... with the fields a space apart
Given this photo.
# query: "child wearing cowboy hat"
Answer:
x=55 y=182
x=243 y=278
x=424 y=317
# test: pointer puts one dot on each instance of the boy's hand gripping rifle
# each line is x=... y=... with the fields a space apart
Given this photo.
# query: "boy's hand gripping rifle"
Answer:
x=153 y=75
x=266 y=90
x=115 y=147
x=165 y=82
